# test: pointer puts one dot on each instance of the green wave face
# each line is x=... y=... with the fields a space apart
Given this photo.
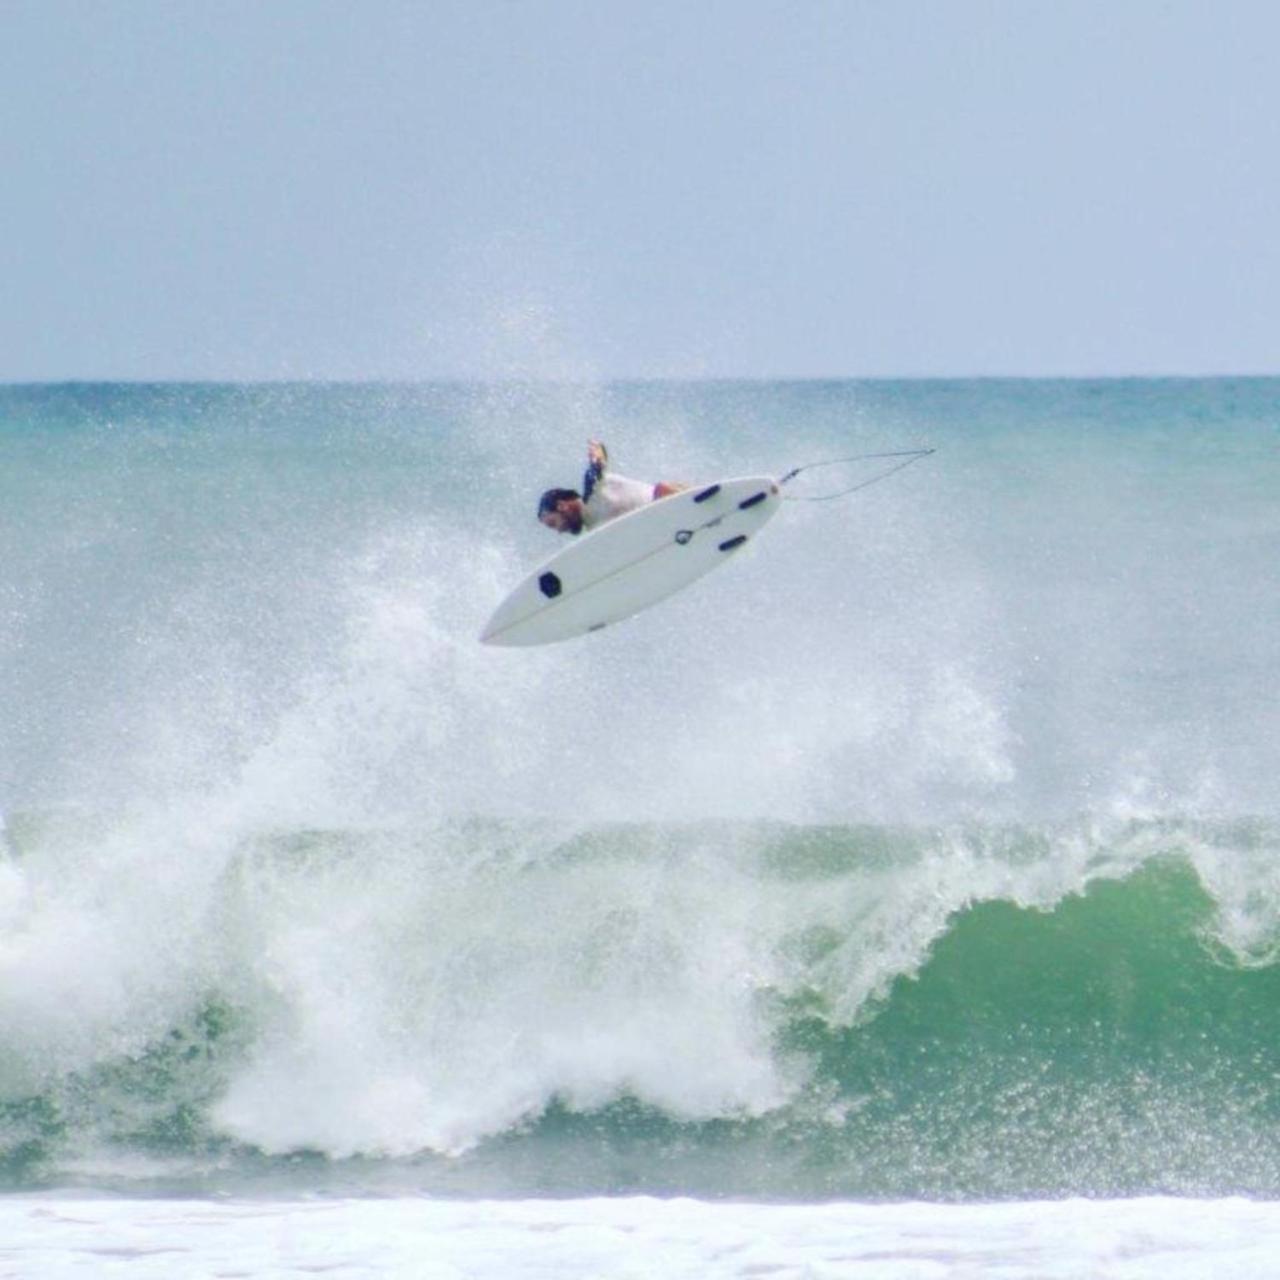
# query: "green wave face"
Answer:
x=1104 y=1047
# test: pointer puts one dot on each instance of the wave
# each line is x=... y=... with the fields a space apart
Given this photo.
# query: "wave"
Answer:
x=720 y=1008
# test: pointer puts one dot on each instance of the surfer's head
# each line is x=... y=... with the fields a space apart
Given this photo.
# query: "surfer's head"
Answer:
x=561 y=510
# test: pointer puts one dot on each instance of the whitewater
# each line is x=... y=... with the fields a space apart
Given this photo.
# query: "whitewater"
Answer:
x=900 y=900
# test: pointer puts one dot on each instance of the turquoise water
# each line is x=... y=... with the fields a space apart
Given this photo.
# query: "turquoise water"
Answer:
x=926 y=851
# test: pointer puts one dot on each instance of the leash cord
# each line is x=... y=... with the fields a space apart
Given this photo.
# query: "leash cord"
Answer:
x=908 y=456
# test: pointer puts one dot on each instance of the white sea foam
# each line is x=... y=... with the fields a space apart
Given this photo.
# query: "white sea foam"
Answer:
x=1153 y=1239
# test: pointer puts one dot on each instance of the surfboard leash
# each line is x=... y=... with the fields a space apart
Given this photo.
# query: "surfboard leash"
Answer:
x=908 y=456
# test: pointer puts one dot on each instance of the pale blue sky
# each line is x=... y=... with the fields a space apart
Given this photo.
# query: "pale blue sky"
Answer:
x=313 y=189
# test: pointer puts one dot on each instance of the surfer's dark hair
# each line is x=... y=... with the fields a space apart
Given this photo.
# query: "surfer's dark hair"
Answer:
x=549 y=499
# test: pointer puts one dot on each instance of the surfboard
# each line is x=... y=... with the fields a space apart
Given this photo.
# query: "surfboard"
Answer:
x=632 y=562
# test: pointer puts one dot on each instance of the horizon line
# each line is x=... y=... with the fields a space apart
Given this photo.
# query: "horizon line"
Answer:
x=626 y=379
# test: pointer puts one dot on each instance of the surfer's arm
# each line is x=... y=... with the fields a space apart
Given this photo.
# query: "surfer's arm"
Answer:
x=597 y=462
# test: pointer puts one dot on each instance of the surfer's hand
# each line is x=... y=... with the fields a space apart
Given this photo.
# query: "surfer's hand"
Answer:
x=597 y=455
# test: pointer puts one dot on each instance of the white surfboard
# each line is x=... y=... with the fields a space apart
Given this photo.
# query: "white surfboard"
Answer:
x=634 y=561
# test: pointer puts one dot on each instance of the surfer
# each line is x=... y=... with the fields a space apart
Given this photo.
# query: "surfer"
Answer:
x=605 y=496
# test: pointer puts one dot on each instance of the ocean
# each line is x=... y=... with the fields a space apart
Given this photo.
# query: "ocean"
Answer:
x=901 y=900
